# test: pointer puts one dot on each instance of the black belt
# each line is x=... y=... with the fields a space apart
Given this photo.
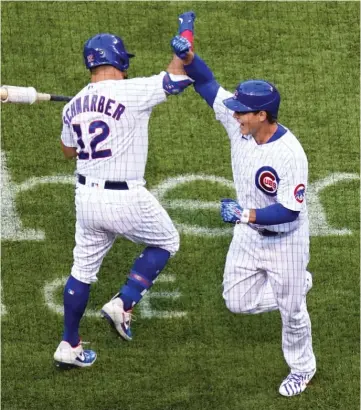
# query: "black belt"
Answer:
x=266 y=232
x=107 y=185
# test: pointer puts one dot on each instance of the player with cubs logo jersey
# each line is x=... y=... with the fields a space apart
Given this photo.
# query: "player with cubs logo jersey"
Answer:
x=266 y=266
x=105 y=127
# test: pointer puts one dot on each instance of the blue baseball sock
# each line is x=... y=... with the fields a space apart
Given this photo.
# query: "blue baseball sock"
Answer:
x=76 y=295
x=144 y=271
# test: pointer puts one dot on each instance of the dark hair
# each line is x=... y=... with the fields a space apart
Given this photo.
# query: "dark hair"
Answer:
x=270 y=118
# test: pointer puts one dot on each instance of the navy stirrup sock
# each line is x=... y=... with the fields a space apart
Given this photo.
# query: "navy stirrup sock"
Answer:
x=76 y=295
x=144 y=271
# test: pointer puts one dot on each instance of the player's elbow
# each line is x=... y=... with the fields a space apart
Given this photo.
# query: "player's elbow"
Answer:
x=275 y=214
x=293 y=215
x=174 y=84
x=68 y=155
x=69 y=152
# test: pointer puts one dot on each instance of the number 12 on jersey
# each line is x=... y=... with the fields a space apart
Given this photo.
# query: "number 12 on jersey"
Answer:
x=98 y=132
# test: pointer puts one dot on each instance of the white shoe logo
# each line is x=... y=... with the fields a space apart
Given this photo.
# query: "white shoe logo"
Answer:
x=126 y=322
x=81 y=356
x=181 y=20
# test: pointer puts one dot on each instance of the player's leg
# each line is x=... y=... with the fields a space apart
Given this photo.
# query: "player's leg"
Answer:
x=246 y=288
x=158 y=232
x=90 y=249
x=145 y=269
x=291 y=282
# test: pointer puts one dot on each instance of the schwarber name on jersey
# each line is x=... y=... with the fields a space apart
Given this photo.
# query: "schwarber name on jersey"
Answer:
x=265 y=174
x=107 y=122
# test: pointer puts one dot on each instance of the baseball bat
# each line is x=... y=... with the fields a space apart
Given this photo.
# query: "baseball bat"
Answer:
x=27 y=95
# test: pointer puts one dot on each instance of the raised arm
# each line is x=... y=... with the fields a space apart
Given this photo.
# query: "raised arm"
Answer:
x=186 y=30
x=204 y=82
x=176 y=80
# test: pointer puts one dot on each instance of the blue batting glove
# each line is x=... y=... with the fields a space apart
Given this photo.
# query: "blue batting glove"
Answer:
x=186 y=21
x=232 y=212
x=180 y=46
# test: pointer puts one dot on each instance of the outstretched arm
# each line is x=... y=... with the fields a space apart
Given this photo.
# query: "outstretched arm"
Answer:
x=176 y=80
x=186 y=30
x=204 y=82
x=183 y=46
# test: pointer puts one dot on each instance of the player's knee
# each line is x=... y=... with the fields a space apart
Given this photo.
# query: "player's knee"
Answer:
x=234 y=305
x=83 y=275
x=295 y=320
x=173 y=246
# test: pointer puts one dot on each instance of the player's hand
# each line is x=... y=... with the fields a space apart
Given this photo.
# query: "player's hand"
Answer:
x=232 y=212
x=181 y=46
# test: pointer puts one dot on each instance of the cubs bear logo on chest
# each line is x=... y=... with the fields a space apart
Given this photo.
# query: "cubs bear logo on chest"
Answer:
x=267 y=180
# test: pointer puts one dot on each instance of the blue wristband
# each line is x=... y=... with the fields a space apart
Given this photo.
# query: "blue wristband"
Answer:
x=275 y=214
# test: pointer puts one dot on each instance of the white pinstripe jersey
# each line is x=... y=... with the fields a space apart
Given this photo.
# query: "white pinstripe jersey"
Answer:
x=268 y=173
x=107 y=122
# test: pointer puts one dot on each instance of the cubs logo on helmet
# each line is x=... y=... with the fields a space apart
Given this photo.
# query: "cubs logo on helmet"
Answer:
x=299 y=193
x=106 y=49
x=255 y=95
x=267 y=180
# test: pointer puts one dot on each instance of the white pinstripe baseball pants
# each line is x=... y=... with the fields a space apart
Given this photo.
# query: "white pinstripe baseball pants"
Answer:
x=104 y=214
x=269 y=273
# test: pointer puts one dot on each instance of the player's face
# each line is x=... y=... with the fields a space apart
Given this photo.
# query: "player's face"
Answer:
x=249 y=122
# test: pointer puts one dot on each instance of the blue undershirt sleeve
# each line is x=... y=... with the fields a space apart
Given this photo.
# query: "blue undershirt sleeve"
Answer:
x=208 y=91
x=275 y=214
x=204 y=82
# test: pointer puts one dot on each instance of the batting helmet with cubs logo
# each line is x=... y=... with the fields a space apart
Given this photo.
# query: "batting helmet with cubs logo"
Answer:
x=106 y=49
x=255 y=95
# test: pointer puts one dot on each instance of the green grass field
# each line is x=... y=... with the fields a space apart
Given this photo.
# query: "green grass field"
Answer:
x=189 y=352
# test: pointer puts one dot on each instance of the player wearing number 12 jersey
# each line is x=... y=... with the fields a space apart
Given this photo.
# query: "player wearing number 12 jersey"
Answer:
x=105 y=126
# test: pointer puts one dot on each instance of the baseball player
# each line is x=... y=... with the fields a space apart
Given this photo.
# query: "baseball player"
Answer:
x=266 y=266
x=105 y=127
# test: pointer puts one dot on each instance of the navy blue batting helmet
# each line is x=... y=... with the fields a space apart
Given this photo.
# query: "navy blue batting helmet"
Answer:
x=106 y=49
x=255 y=95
